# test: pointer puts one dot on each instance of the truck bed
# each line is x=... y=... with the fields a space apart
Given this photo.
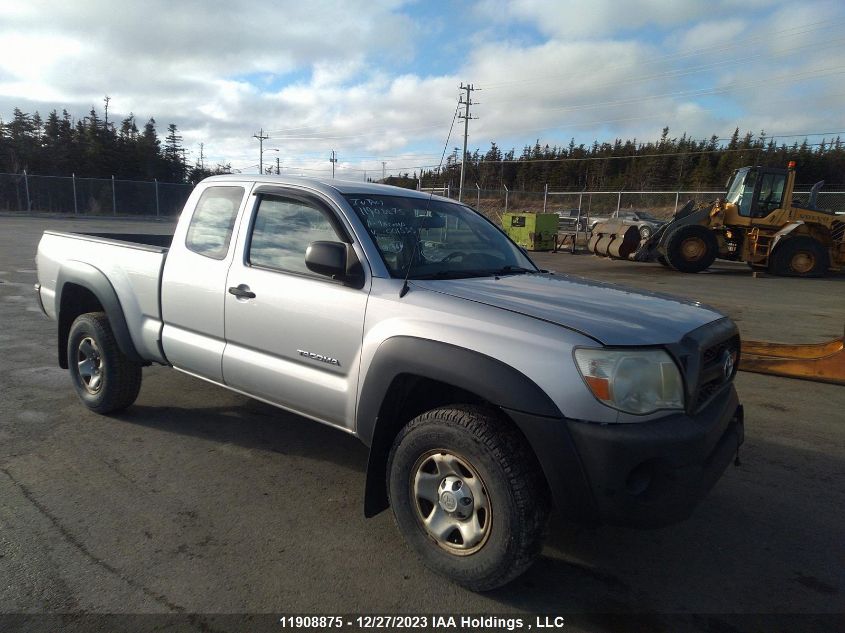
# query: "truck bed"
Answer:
x=131 y=263
x=158 y=241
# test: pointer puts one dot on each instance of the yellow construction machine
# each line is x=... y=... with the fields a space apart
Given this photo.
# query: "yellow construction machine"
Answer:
x=757 y=222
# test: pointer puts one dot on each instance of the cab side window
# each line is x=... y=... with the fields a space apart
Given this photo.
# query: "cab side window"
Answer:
x=771 y=194
x=283 y=229
x=210 y=230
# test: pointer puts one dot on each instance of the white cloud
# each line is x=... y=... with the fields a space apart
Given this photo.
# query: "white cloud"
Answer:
x=354 y=77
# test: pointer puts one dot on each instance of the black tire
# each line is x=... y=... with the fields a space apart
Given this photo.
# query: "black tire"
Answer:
x=799 y=256
x=691 y=248
x=514 y=491
x=662 y=261
x=109 y=382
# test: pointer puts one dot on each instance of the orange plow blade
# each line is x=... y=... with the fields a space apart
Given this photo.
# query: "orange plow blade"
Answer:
x=823 y=362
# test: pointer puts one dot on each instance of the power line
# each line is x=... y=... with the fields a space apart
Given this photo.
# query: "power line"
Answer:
x=743 y=43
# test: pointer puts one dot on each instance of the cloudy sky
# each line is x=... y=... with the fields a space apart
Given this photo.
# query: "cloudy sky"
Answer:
x=377 y=80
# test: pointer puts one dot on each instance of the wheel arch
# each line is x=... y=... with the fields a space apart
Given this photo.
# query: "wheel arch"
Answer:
x=410 y=375
x=82 y=288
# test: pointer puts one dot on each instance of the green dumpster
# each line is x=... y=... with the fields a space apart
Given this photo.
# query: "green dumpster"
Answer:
x=532 y=231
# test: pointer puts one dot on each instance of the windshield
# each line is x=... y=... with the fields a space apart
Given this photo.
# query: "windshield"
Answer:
x=454 y=241
x=741 y=190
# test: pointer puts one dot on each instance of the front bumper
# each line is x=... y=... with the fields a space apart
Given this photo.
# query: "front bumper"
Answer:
x=646 y=474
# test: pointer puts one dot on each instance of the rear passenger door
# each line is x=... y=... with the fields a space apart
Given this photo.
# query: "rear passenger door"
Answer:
x=194 y=282
x=293 y=337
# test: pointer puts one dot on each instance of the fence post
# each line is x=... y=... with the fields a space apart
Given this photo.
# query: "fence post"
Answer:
x=506 y=198
x=545 y=195
x=477 y=197
x=75 y=205
x=618 y=203
x=158 y=209
x=677 y=195
x=113 y=198
x=26 y=186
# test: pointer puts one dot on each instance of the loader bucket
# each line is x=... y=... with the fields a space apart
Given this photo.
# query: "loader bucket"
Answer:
x=614 y=239
x=822 y=362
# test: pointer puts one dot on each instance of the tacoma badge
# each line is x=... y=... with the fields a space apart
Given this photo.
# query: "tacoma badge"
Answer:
x=320 y=357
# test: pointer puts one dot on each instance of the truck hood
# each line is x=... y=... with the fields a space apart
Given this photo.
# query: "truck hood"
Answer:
x=611 y=314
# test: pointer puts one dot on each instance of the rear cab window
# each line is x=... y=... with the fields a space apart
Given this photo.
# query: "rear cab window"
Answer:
x=210 y=230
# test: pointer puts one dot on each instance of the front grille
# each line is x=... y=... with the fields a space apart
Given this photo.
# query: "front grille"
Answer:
x=712 y=370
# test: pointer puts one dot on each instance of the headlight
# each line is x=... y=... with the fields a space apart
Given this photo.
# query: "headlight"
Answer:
x=634 y=381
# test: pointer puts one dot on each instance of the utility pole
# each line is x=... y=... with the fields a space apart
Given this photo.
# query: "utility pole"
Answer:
x=261 y=138
x=466 y=117
x=333 y=160
x=202 y=157
x=278 y=168
x=383 y=166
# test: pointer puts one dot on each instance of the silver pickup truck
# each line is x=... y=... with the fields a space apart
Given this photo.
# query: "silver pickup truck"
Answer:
x=486 y=389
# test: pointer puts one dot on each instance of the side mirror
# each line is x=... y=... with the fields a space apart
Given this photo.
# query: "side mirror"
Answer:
x=336 y=260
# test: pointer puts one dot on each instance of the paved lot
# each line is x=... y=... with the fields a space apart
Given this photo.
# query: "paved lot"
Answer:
x=199 y=500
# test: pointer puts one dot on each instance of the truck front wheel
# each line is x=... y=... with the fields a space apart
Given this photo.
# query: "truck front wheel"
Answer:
x=105 y=380
x=468 y=495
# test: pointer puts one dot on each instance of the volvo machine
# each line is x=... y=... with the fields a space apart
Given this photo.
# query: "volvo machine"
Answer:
x=757 y=222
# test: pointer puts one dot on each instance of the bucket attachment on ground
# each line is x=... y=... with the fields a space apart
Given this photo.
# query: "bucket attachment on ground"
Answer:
x=614 y=238
x=823 y=362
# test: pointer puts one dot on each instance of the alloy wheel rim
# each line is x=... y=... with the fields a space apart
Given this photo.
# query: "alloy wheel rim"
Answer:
x=90 y=363
x=451 y=502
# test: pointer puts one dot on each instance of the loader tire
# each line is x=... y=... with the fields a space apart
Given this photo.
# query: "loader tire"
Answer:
x=800 y=256
x=691 y=248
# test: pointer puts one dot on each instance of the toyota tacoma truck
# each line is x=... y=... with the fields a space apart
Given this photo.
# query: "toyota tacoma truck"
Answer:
x=486 y=389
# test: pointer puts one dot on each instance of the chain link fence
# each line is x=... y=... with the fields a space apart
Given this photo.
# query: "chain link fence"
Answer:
x=661 y=204
x=91 y=196
x=110 y=196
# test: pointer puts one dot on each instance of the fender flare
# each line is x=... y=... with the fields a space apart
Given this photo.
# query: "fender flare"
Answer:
x=95 y=281
x=477 y=373
x=784 y=232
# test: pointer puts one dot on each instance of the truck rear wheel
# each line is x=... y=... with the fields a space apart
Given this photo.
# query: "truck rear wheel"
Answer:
x=691 y=248
x=468 y=495
x=800 y=256
x=105 y=380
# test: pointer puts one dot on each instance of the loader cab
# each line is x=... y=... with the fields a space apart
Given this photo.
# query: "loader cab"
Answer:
x=757 y=191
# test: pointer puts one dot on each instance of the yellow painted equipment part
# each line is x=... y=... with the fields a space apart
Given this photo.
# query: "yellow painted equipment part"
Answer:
x=823 y=362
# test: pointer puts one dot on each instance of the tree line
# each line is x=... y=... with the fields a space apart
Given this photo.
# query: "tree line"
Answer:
x=669 y=164
x=95 y=147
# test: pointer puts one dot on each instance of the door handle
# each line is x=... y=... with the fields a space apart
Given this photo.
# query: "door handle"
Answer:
x=242 y=292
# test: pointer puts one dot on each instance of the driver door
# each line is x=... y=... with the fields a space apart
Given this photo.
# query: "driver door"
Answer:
x=293 y=337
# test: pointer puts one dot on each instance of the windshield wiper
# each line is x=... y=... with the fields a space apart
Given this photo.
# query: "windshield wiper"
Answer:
x=452 y=274
x=512 y=270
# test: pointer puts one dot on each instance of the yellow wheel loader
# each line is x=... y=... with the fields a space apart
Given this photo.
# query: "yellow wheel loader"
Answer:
x=757 y=222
